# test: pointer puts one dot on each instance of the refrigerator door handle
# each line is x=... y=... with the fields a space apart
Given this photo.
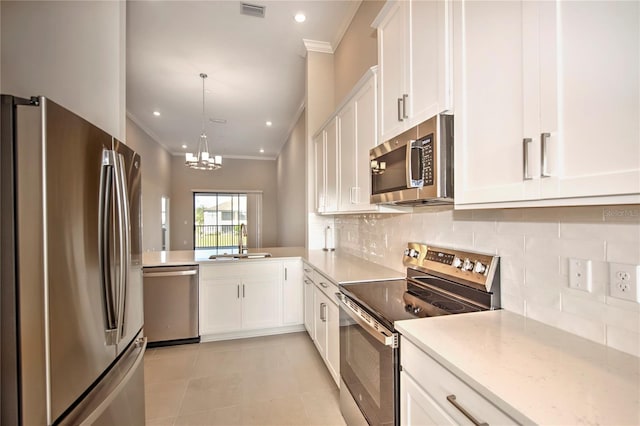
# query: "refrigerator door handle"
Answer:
x=123 y=240
x=105 y=221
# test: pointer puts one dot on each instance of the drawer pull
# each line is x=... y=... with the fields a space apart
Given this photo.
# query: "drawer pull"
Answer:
x=452 y=399
x=324 y=285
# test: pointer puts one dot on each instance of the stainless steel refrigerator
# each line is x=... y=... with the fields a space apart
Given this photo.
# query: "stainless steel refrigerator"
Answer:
x=71 y=291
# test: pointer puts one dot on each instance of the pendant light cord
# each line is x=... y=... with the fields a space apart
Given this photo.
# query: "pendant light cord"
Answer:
x=203 y=76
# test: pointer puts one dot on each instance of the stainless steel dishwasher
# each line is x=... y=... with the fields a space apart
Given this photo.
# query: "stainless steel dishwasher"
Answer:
x=171 y=305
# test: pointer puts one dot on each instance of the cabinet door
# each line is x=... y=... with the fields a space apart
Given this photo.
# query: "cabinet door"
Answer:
x=430 y=67
x=417 y=408
x=292 y=293
x=309 y=302
x=262 y=301
x=393 y=35
x=366 y=138
x=220 y=305
x=590 y=97
x=489 y=64
x=320 y=171
x=333 y=340
x=348 y=159
x=331 y=166
x=321 y=307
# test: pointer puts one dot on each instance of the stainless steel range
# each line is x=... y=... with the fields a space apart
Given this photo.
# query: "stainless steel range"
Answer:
x=440 y=281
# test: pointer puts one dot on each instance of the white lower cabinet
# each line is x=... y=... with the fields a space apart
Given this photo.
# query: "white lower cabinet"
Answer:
x=417 y=408
x=309 y=301
x=327 y=332
x=432 y=395
x=292 y=293
x=322 y=318
x=249 y=296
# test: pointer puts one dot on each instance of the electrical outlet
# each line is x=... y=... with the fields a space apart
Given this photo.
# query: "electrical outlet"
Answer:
x=580 y=274
x=623 y=281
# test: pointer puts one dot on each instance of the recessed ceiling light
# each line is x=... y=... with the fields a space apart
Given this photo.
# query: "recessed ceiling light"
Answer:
x=184 y=146
x=156 y=113
x=261 y=151
x=268 y=123
x=300 y=17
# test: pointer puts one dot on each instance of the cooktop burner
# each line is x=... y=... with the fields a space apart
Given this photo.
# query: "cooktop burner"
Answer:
x=438 y=283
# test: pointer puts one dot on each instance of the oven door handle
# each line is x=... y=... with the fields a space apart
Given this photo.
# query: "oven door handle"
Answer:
x=371 y=326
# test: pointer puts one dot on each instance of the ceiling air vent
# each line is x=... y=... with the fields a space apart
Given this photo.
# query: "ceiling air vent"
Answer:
x=252 y=10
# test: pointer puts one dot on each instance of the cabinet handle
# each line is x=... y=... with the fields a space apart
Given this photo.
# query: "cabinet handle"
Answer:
x=452 y=399
x=399 y=109
x=243 y=291
x=307 y=270
x=285 y=274
x=404 y=106
x=324 y=285
x=307 y=282
x=323 y=314
x=525 y=158
x=544 y=138
x=238 y=287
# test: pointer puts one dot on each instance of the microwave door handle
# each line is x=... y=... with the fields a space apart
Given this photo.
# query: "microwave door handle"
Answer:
x=410 y=180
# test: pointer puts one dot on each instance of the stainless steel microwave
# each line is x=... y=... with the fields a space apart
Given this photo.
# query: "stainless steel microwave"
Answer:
x=416 y=167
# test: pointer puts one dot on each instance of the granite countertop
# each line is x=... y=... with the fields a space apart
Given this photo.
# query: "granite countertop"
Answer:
x=533 y=372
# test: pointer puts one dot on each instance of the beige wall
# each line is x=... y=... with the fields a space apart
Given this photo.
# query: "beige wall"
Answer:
x=290 y=169
x=358 y=50
x=70 y=51
x=235 y=175
x=156 y=179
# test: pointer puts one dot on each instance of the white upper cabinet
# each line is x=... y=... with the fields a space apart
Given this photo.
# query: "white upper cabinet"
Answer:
x=320 y=171
x=547 y=103
x=357 y=137
x=343 y=180
x=414 y=56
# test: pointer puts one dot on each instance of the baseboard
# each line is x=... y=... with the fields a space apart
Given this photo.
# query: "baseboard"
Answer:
x=242 y=334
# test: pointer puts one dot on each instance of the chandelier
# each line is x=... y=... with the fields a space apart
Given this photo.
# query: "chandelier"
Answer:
x=203 y=160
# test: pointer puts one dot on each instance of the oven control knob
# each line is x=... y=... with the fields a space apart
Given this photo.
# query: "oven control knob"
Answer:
x=467 y=265
x=456 y=262
x=416 y=310
x=480 y=268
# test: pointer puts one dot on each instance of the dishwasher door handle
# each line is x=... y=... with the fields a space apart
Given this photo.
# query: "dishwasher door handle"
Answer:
x=169 y=273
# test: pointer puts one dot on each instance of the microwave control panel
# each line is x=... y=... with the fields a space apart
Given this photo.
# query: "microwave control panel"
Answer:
x=427 y=159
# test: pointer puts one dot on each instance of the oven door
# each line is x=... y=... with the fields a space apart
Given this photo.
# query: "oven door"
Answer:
x=368 y=366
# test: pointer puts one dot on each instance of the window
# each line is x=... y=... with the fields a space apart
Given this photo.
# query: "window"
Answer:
x=217 y=219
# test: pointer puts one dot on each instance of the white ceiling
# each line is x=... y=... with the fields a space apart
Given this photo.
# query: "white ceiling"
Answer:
x=255 y=66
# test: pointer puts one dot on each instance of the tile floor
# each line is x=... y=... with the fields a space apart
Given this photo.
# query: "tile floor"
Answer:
x=273 y=380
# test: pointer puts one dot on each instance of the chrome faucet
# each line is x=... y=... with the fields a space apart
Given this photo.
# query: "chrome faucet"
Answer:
x=243 y=235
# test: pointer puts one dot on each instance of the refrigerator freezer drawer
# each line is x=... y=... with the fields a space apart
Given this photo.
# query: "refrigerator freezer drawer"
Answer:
x=171 y=304
x=118 y=399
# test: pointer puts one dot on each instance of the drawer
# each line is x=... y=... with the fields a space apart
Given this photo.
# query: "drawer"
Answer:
x=327 y=286
x=439 y=383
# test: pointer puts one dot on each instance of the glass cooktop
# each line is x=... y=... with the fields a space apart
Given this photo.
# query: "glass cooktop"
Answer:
x=397 y=300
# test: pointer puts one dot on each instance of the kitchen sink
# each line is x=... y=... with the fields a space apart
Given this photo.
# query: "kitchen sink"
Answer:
x=238 y=256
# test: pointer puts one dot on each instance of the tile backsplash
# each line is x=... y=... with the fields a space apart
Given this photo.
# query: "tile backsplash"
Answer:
x=534 y=246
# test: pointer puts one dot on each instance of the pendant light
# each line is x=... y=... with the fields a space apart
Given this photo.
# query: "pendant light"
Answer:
x=203 y=160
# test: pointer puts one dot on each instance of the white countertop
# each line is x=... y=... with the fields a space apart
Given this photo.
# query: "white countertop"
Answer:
x=344 y=268
x=340 y=267
x=192 y=257
x=533 y=372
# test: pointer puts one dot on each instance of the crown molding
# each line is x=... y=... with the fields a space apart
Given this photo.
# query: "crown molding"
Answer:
x=317 y=46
